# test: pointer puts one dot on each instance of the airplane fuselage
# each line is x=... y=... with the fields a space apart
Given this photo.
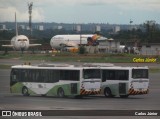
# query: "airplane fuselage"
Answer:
x=20 y=42
x=58 y=40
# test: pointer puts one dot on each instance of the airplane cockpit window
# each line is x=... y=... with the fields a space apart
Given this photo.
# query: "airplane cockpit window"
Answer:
x=22 y=39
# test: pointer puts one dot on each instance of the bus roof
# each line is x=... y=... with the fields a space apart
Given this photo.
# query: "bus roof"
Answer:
x=124 y=68
x=52 y=66
x=98 y=65
x=75 y=67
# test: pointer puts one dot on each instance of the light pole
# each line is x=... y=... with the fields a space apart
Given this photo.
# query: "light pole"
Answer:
x=79 y=30
x=30 y=17
x=130 y=24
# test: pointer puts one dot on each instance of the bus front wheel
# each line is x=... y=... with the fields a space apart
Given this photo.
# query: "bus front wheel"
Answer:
x=107 y=92
x=60 y=92
x=25 y=91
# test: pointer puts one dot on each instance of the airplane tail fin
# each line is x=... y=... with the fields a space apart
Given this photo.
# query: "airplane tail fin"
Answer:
x=16 y=25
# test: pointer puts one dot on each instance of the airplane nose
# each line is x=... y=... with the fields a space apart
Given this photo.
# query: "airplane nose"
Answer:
x=22 y=44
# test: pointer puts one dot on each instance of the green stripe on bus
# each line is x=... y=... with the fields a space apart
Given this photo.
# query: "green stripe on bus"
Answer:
x=17 y=88
x=66 y=88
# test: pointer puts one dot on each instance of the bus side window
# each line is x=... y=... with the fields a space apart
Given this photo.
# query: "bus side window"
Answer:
x=75 y=75
x=14 y=75
x=44 y=76
x=24 y=75
x=104 y=76
x=111 y=75
x=85 y=76
x=122 y=75
x=108 y=75
x=37 y=75
x=55 y=76
x=49 y=78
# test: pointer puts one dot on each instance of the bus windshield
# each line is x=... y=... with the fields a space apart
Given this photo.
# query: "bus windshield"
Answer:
x=91 y=73
x=139 y=73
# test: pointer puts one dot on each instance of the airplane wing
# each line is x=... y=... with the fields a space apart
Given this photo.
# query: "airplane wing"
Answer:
x=33 y=45
x=69 y=44
x=8 y=46
x=5 y=40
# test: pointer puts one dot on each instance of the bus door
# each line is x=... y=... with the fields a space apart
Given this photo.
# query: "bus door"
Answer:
x=91 y=82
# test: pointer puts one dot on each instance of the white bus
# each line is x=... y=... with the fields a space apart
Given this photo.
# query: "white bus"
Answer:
x=124 y=81
x=55 y=80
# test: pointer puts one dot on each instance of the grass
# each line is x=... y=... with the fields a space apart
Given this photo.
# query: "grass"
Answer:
x=2 y=66
x=75 y=57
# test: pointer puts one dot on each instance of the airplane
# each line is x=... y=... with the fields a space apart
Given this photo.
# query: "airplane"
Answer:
x=20 y=42
x=72 y=42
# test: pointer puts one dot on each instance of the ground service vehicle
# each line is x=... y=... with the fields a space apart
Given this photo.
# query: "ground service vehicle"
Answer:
x=124 y=81
x=55 y=80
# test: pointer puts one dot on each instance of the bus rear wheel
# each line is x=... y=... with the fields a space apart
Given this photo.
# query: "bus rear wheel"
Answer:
x=25 y=91
x=107 y=92
x=60 y=92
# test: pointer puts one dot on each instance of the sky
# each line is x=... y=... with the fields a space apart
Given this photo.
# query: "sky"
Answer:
x=82 y=11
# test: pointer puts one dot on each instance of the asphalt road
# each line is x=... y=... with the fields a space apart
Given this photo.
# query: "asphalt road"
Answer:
x=16 y=61
x=150 y=101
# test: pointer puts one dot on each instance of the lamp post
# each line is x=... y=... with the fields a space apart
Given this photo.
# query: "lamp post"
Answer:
x=79 y=30
x=30 y=17
x=130 y=23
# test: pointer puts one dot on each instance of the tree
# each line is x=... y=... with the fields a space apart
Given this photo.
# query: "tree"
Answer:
x=150 y=27
x=82 y=50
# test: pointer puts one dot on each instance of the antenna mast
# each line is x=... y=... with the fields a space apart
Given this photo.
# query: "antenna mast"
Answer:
x=30 y=17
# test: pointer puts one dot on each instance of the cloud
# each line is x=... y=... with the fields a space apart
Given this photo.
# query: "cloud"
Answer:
x=49 y=10
x=127 y=5
x=9 y=7
x=102 y=1
x=6 y=13
x=144 y=5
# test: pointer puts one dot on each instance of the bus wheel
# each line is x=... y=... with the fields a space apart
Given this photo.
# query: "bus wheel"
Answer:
x=60 y=92
x=107 y=92
x=124 y=96
x=25 y=91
